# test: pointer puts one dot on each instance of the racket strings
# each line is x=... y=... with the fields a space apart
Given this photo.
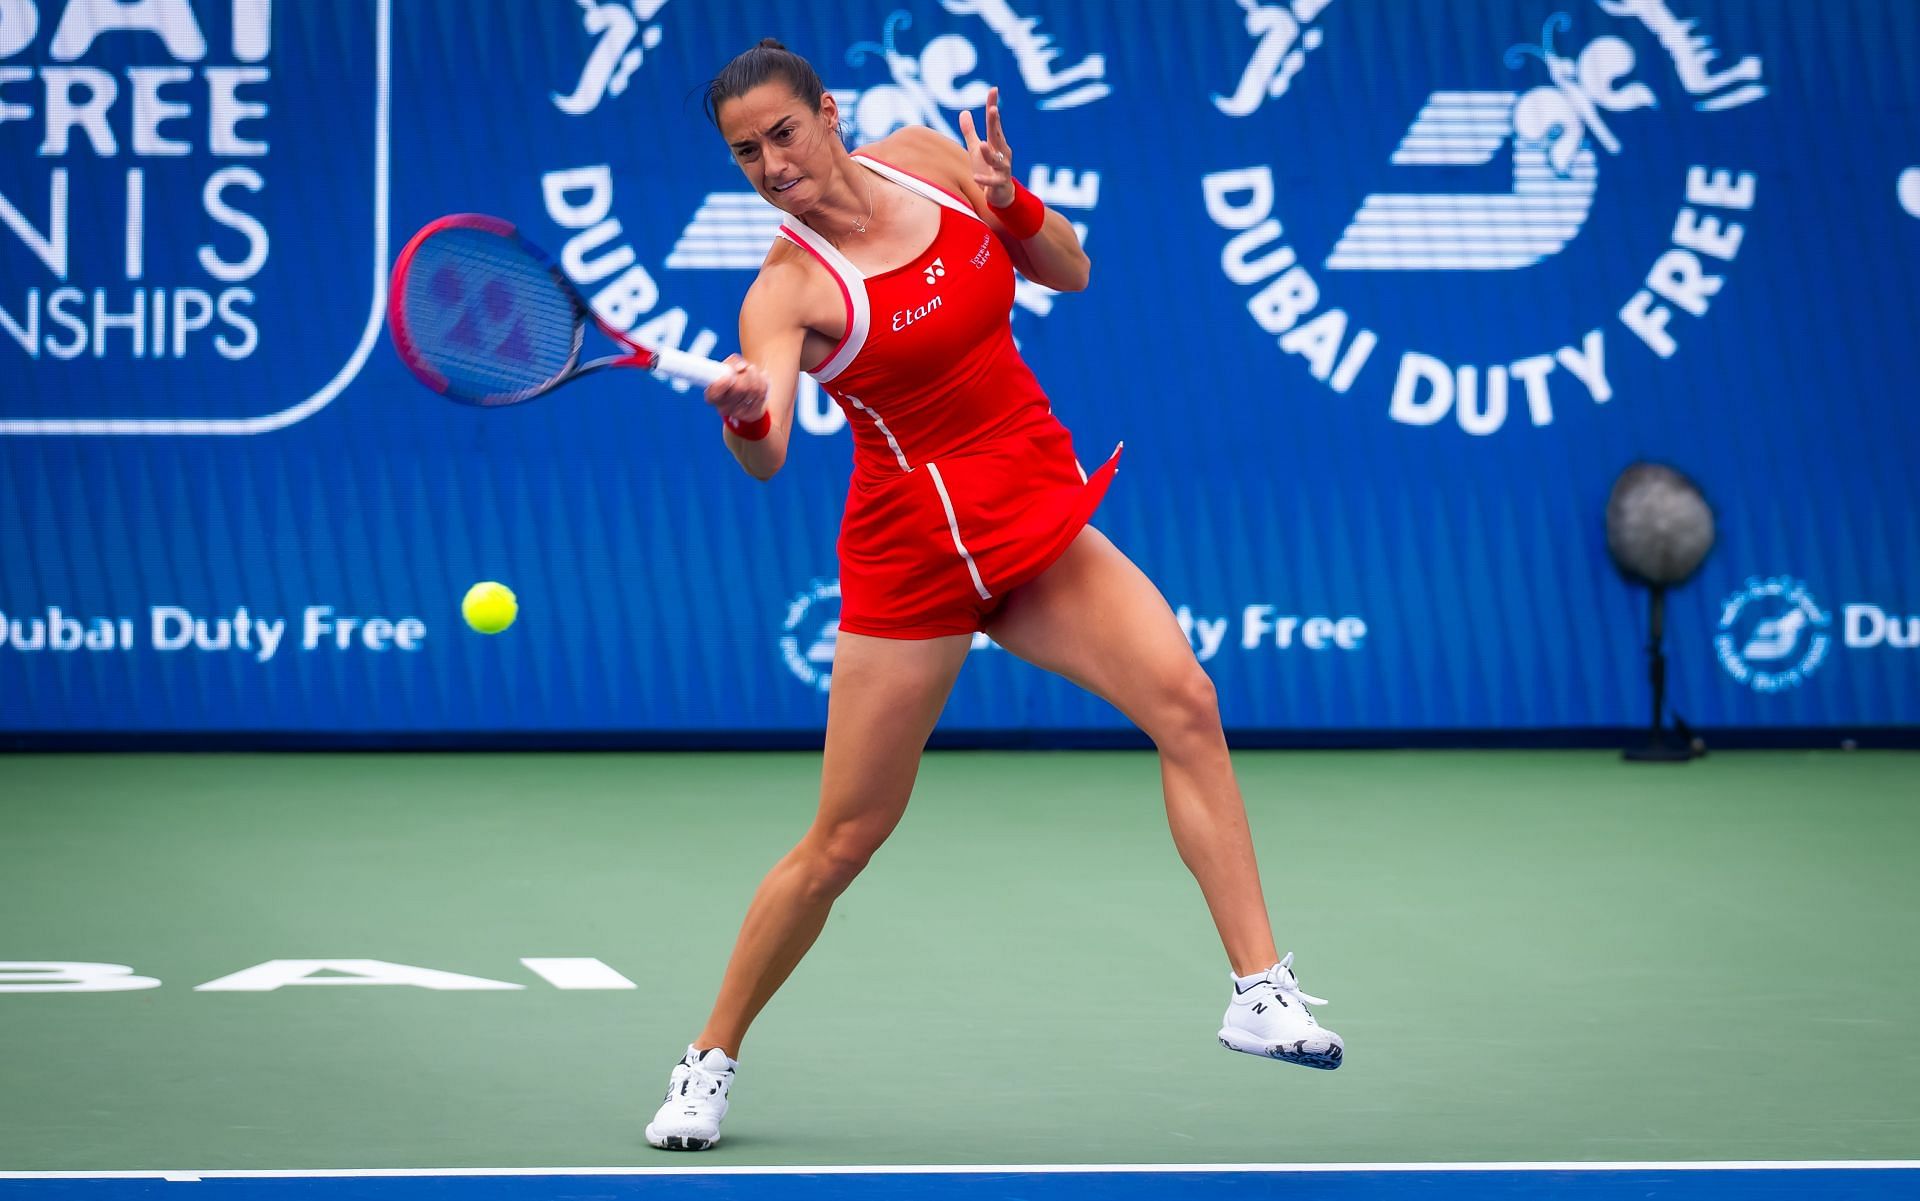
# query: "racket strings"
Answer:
x=488 y=316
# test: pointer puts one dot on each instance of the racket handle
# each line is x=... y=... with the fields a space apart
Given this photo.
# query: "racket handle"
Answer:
x=689 y=367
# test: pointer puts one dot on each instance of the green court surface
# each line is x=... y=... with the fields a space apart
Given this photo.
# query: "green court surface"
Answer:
x=1532 y=957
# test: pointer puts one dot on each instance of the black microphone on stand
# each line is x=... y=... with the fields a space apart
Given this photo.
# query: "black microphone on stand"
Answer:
x=1659 y=528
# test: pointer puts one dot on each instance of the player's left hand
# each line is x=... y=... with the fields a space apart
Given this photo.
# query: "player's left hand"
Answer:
x=991 y=160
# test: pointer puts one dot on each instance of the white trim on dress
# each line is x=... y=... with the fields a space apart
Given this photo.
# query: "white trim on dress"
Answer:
x=853 y=286
x=916 y=185
x=953 y=527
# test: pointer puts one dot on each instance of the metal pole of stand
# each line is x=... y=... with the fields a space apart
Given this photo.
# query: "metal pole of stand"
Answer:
x=1657 y=749
x=1657 y=658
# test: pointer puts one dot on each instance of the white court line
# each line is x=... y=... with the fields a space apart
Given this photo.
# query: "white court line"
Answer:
x=1690 y=1165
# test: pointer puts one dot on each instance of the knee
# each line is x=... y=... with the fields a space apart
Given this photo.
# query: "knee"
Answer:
x=1188 y=711
x=830 y=862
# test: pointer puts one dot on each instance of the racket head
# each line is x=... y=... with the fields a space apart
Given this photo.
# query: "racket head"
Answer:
x=481 y=315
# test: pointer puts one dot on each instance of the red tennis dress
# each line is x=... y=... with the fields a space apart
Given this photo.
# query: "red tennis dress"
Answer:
x=964 y=485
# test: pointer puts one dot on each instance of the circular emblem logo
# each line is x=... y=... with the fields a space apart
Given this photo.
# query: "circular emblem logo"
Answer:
x=1773 y=634
x=1444 y=279
x=808 y=635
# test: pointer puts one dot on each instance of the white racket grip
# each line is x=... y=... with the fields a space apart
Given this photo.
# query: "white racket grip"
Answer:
x=690 y=367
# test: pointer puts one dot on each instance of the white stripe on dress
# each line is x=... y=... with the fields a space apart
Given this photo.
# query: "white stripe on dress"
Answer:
x=953 y=527
x=899 y=455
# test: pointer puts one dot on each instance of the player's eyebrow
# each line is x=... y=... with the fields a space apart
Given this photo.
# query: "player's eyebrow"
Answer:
x=766 y=133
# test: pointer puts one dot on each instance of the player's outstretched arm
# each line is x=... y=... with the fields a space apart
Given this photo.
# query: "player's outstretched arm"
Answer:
x=982 y=171
x=765 y=376
x=1051 y=256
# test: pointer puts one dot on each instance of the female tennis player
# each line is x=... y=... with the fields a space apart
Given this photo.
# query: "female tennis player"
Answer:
x=891 y=283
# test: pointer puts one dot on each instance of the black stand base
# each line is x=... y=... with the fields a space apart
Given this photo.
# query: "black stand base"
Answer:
x=1657 y=753
x=1657 y=748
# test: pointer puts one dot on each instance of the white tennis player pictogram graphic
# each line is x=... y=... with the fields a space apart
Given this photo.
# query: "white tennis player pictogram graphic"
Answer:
x=610 y=67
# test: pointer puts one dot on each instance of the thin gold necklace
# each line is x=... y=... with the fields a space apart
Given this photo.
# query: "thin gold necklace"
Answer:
x=860 y=223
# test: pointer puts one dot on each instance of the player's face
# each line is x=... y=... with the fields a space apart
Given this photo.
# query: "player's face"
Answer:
x=783 y=147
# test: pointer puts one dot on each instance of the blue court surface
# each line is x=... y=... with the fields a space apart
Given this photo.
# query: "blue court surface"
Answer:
x=1862 y=1181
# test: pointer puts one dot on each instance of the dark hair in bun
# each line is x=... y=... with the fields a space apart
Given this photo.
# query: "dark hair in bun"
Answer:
x=766 y=61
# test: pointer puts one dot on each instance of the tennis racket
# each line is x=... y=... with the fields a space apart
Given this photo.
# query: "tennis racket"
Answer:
x=485 y=317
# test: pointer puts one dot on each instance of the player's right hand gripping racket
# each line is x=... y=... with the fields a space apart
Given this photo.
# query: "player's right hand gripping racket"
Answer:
x=486 y=318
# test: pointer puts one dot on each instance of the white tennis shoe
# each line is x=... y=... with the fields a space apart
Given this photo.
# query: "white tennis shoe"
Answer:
x=689 y=1120
x=1270 y=1017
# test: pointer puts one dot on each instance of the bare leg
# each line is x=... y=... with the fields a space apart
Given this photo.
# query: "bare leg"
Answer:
x=1096 y=619
x=887 y=695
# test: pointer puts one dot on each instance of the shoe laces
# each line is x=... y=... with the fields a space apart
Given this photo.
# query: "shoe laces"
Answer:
x=691 y=1079
x=1284 y=982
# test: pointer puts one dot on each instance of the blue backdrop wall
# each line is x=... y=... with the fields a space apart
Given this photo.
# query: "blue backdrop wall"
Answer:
x=1385 y=295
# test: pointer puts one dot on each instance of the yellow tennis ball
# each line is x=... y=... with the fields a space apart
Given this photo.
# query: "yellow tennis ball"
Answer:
x=489 y=607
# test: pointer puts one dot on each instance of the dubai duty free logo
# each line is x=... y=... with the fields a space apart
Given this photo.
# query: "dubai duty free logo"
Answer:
x=924 y=65
x=810 y=632
x=154 y=279
x=1538 y=134
x=1773 y=634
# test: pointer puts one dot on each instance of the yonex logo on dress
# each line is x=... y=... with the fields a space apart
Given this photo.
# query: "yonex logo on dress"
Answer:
x=935 y=270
